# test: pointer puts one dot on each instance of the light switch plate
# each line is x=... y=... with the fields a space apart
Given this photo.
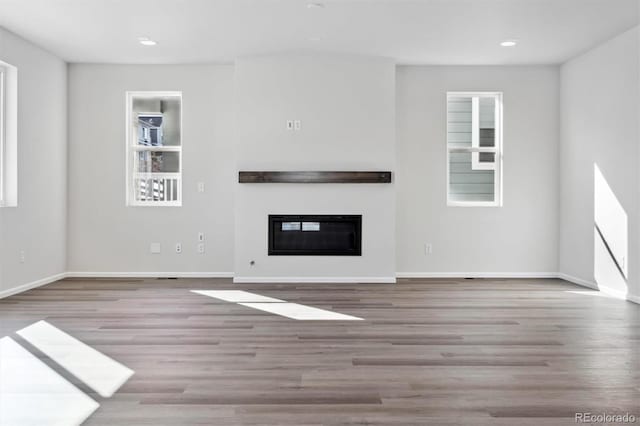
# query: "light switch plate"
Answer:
x=154 y=248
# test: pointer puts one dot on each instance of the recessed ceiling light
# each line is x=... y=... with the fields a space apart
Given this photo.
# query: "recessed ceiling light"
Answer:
x=146 y=41
x=509 y=43
x=315 y=5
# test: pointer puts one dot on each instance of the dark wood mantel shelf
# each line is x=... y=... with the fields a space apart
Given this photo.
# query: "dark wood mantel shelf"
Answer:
x=314 y=177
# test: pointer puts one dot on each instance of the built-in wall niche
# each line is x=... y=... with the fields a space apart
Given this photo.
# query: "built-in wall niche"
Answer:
x=154 y=148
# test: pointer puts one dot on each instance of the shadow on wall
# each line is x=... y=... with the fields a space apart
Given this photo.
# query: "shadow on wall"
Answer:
x=610 y=237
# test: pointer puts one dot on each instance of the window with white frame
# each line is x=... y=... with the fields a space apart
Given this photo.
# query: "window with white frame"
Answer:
x=474 y=149
x=154 y=148
x=8 y=135
x=3 y=76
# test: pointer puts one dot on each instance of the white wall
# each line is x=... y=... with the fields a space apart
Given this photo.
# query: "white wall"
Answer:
x=106 y=236
x=346 y=106
x=600 y=110
x=352 y=111
x=37 y=225
x=348 y=112
x=518 y=238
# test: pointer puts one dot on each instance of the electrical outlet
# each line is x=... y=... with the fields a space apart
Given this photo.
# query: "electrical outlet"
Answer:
x=154 y=248
x=200 y=186
x=201 y=236
x=23 y=256
x=428 y=248
x=289 y=124
x=297 y=124
x=178 y=247
x=201 y=248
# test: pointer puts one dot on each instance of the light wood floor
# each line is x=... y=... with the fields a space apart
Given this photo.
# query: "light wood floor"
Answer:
x=445 y=352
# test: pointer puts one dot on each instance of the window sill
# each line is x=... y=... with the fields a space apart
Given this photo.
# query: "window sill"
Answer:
x=473 y=204
x=156 y=204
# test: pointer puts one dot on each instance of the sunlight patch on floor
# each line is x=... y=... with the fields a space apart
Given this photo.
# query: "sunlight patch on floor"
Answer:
x=32 y=394
x=98 y=371
x=276 y=306
x=237 y=296
x=595 y=293
x=300 y=312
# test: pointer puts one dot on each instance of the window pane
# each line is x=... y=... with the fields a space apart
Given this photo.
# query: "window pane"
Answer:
x=150 y=130
x=459 y=120
x=156 y=189
x=486 y=157
x=8 y=135
x=468 y=184
x=154 y=160
x=157 y=162
x=2 y=132
x=158 y=120
x=487 y=122
x=473 y=124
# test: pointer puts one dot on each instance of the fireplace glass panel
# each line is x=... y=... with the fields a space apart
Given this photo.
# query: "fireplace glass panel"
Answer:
x=320 y=235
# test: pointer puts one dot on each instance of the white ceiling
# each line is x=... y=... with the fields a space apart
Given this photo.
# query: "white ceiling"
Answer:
x=411 y=31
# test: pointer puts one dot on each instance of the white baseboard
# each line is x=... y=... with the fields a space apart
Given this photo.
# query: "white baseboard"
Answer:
x=315 y=280
x=614 y=293
x=31 y=285
x=477 y=275
x=578 y=281
x=606 y=290
x=149 y=275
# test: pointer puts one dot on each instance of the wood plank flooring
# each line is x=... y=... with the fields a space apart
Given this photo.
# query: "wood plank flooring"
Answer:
x=442 y=352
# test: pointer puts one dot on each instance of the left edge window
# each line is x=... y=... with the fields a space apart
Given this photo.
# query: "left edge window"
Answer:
x=8 y=135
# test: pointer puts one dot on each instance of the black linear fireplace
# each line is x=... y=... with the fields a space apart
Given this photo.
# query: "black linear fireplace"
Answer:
x=315 y=235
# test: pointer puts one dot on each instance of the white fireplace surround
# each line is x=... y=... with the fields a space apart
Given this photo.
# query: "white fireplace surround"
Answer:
x=346 y=109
